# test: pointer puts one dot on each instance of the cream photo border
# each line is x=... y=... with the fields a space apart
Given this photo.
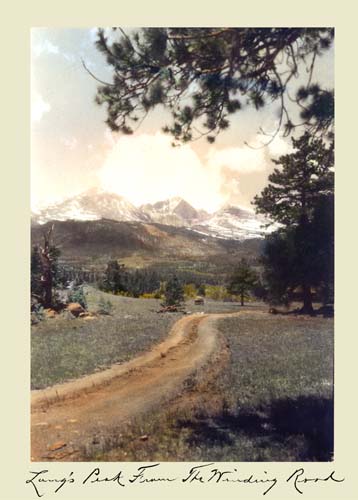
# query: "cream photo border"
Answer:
x=18 y=19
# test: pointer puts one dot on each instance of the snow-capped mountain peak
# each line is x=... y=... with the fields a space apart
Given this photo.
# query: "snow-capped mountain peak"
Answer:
x=173 y=211
x=92 y=204
x=230 y=222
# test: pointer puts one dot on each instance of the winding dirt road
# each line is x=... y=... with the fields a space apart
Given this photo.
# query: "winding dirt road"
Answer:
x=67 y=418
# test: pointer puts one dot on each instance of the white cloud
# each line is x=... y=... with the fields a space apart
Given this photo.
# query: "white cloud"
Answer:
x=110 y=138
x=38 y=108
x=69 y=57
x=70 y=142
x=240 y=159
x=146 y=168
x=45 y=47
x=279 y=147
x=93 y=33
x=246 y=159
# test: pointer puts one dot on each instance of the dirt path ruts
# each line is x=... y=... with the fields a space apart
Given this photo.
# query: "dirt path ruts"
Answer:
x=68 y=417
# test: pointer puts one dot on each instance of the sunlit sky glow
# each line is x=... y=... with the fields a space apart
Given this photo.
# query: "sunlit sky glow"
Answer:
x=73 y=150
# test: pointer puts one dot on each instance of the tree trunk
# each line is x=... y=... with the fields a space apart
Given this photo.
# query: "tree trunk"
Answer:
x=307 y=299
x=306 y=288
x=47 y=284
x=46 y=276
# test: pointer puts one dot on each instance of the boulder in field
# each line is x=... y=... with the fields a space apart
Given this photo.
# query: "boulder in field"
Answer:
x=75 y=309
x=50 y=313
x=87 y=315
x=67 y=315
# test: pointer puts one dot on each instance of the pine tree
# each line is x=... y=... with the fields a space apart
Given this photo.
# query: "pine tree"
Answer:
x=304 y=182
x=114 y=277
x=242 y=281
x=323 y=235
x=203 y=76
x=36 y=271
x=45 y=269
x=174 y=292
x=278 y=259
x=304 y=176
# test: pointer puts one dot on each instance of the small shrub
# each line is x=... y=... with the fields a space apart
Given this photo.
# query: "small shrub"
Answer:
x=105 y=307
x=123 y=294
x=37 y=314
x=216 y=292
x=147 y=296
x=78 y=295
x=190 y=290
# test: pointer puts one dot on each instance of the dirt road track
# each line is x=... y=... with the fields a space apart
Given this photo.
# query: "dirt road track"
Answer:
x=66 y=418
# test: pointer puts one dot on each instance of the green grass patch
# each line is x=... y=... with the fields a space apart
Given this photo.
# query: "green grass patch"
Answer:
x=63 y=348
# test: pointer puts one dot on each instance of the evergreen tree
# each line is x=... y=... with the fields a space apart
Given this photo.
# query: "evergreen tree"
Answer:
x=174 y=292
x=141 y=281
x=294 y=189
x=36 y=271
x=242 y=281
x=205 y=75
x=323 y=235
x=297 y=194
x=45 y=270
x=114 y=277
x=201 y=290
x=54 y=253
x=279 y=266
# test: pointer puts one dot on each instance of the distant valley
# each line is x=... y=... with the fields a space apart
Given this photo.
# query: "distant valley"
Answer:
x=92 y=243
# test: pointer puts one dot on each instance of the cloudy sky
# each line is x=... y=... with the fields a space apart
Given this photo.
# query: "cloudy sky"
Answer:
x=73 y=150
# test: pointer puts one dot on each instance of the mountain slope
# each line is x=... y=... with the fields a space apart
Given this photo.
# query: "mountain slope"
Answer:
x=93 y=204
x=94 y=242
x=232 y=223
x=174 y=211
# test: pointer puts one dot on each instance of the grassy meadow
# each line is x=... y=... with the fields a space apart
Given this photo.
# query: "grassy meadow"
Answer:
x=64 y=347
x=272 y=402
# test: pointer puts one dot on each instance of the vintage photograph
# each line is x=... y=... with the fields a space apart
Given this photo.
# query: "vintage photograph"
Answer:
x=182 y=244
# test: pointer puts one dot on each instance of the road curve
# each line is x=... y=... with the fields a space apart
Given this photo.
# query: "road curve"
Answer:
x=67 y=418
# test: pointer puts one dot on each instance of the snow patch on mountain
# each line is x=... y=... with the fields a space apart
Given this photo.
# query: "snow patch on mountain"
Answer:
x=93 y=204
x=233 y=223
x=174 y=211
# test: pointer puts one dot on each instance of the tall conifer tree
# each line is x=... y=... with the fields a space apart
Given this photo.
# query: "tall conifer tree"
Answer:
x=296 y=194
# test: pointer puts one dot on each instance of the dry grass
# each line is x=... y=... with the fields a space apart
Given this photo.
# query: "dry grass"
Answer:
x=63 y=349
x=272 y=402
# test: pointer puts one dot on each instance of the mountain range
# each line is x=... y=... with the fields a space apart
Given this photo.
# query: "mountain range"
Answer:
x=229 y=222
